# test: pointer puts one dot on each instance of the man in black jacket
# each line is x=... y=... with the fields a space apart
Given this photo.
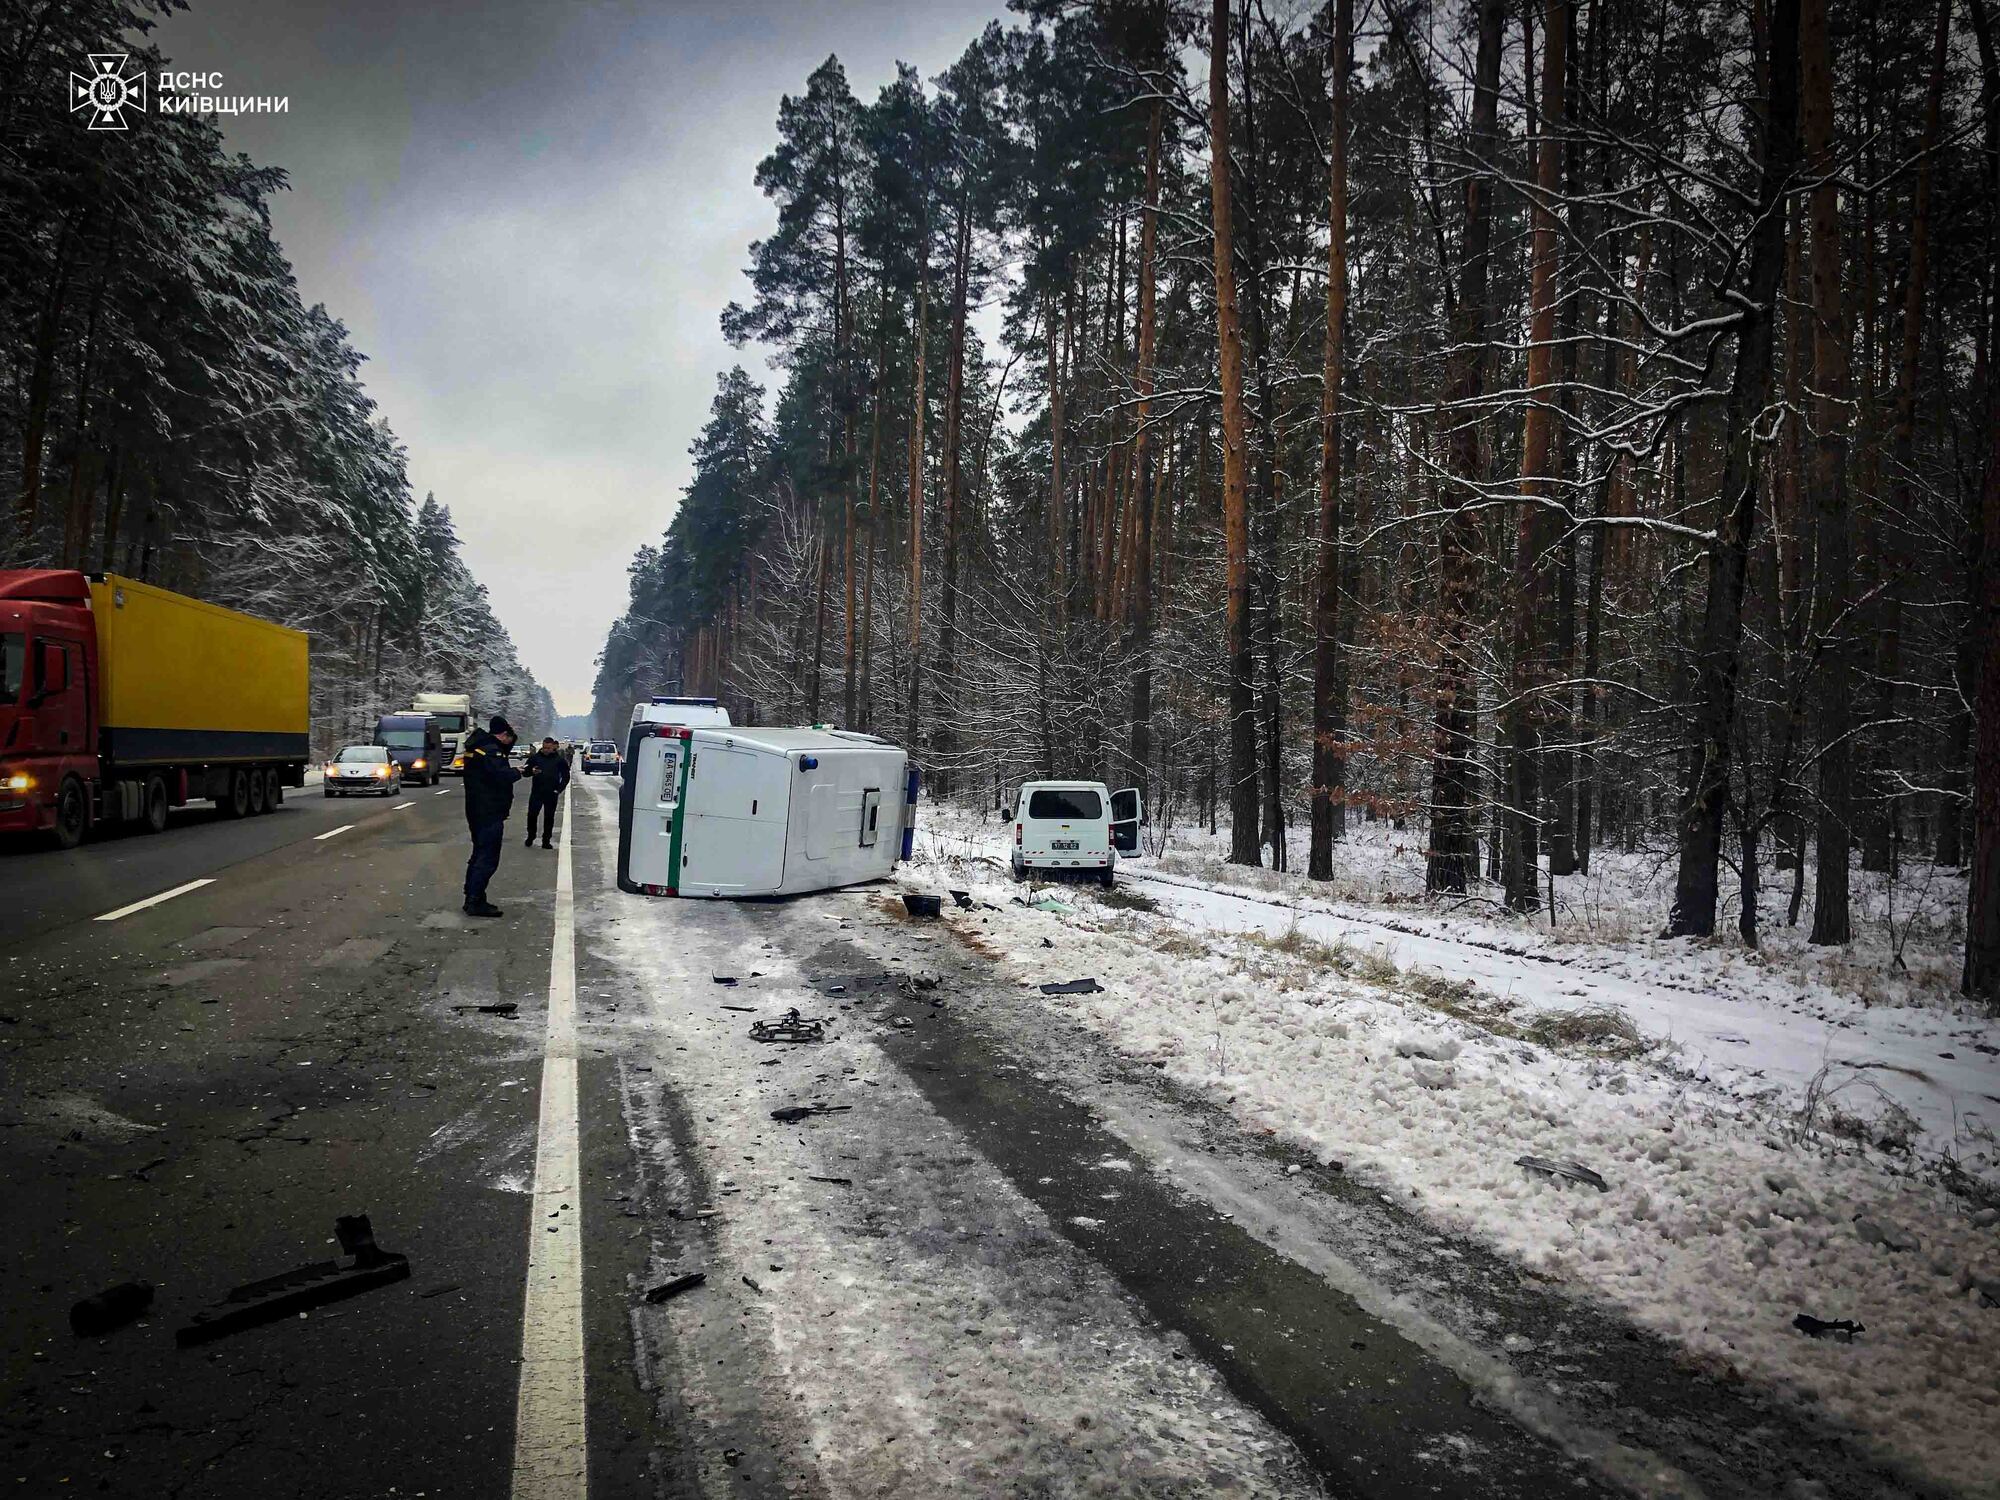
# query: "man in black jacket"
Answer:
x=489 y=797
x=550 y=773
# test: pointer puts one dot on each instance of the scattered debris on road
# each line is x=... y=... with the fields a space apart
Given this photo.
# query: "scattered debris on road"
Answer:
x=792 y=1113
x=917 y=904
x=753 y=1286
x=1074 y=987
x=302 y=1289
x=1573 y=1171
x=727 y=979
x=835 y=1181
x=748 y=1010
x=666 y=1291
x=962 y=900
x=791 y=1027
x=1843 y=1329
x=110 y=1309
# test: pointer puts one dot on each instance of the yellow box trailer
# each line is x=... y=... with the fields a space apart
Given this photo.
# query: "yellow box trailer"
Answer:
x=180 y=679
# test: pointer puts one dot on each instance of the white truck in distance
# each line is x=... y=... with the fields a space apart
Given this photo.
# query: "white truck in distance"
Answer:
x=1076 y=828
x=453 y=712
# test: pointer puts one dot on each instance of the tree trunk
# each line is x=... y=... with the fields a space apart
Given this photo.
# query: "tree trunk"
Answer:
x=1711 y=726
x=1528 y=677
x=1243 y=846
x=917 y=515
x=1832 y=542
x=1453 y=853
x=1329 y=719
x=945 y=740
x=1140 y=602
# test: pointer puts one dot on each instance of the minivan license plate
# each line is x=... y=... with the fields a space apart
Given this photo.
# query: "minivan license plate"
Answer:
x=1068 y=844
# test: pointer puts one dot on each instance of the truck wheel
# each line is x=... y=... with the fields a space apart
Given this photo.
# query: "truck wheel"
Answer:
x=237 y=803
x=153 y=817
x=274 y=792
x=256 y=789
x=72 y=814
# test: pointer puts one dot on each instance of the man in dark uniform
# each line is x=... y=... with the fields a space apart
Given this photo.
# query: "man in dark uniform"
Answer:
x=550 y=773
x=489 y=797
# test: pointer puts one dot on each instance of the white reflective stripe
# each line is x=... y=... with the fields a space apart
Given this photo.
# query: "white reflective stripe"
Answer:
x=179 y=890
x=443 y=791
x=551 y=1460
x=401 y=805
x=331 y=832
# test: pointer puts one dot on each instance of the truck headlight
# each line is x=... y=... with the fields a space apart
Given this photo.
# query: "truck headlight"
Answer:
x=20 y=782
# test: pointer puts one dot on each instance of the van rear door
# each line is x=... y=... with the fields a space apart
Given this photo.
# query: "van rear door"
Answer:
x=1065 y=825
x=1126 y=815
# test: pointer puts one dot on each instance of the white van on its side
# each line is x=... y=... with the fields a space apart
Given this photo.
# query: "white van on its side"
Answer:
x=1073 y=828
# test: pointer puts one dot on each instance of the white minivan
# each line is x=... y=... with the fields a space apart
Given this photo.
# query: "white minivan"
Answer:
x=1074 y=828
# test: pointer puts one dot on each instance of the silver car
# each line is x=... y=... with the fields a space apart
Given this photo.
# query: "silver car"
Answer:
x=363 y=769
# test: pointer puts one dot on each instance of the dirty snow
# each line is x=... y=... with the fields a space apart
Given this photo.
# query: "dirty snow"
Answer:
x=1724 y=1217
x=930 y=1333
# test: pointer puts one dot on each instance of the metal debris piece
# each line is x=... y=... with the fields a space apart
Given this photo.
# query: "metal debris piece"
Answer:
x=835 y=1181
x=110 y=1309
x=791 y=1027
x=1573 y=1171
x=962 y=899
x=917 y=904
x=300 y=1290
x=794 y=1112
x=902 y=1023
x=1843 y=1329
x=748 y=1010
x=666 y=1291
x=1074 y=987
x=753 y=1286
x=501 y=1008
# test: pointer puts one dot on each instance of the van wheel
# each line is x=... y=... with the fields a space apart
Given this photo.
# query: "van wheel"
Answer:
x=237 y=803
x=1020 y=871
x=255 y=791
x=1105 y=877
x=154 y=817
x=72 y=814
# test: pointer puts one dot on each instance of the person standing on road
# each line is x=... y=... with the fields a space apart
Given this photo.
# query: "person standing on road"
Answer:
x=489 y=797
x=550 y=773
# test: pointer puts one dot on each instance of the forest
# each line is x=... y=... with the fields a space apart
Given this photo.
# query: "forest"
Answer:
x=1551 y=425
x=174 y=412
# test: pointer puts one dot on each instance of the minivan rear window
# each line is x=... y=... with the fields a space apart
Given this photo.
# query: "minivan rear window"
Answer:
x=1073 y=804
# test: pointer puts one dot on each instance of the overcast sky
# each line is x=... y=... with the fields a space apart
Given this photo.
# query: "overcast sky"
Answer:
x=530 y=213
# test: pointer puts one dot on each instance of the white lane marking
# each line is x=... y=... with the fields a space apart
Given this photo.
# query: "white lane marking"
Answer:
x=551 y=1461
x=331 y=832
x=179 y=890
x=401 y=805
x=443 y=791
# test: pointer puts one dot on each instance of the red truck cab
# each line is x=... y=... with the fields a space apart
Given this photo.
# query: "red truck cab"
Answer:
x=48 y=734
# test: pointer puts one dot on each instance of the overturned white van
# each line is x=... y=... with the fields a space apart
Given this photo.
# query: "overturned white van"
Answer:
x=760 y=812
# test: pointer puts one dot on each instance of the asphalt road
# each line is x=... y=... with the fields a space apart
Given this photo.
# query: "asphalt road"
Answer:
x=988 y=1260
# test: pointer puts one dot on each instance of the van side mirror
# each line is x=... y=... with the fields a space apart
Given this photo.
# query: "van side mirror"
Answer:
x=1006 y=814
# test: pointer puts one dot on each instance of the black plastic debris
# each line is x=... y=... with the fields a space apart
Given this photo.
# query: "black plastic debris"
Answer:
x=1569 y=1170
x=1074 y=987
x=1045 y=942
x=835 y=1181
x=110 y=1309
x=728 y=979
x=499 y=1008
x=962 y=900
x=666 y=1291
x=919 y=905
x=753 y=1286
x=748 y=1010
x=303 y=1289
x=791 y=1027
x=1843 y=1329
x=795 y=1112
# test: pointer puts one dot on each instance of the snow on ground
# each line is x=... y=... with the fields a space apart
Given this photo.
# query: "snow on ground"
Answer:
x=930 y=1334
x=1724 y=1216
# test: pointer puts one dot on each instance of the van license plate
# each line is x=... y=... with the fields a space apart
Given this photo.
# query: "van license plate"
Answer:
x=1069 y=844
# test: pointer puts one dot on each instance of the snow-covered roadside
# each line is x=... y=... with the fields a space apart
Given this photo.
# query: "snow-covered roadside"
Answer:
x=1718 y=1226
x=927 y=1332
x=1776 y=1028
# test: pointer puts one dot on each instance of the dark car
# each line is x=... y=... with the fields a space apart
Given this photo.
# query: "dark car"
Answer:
x=414 y=743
